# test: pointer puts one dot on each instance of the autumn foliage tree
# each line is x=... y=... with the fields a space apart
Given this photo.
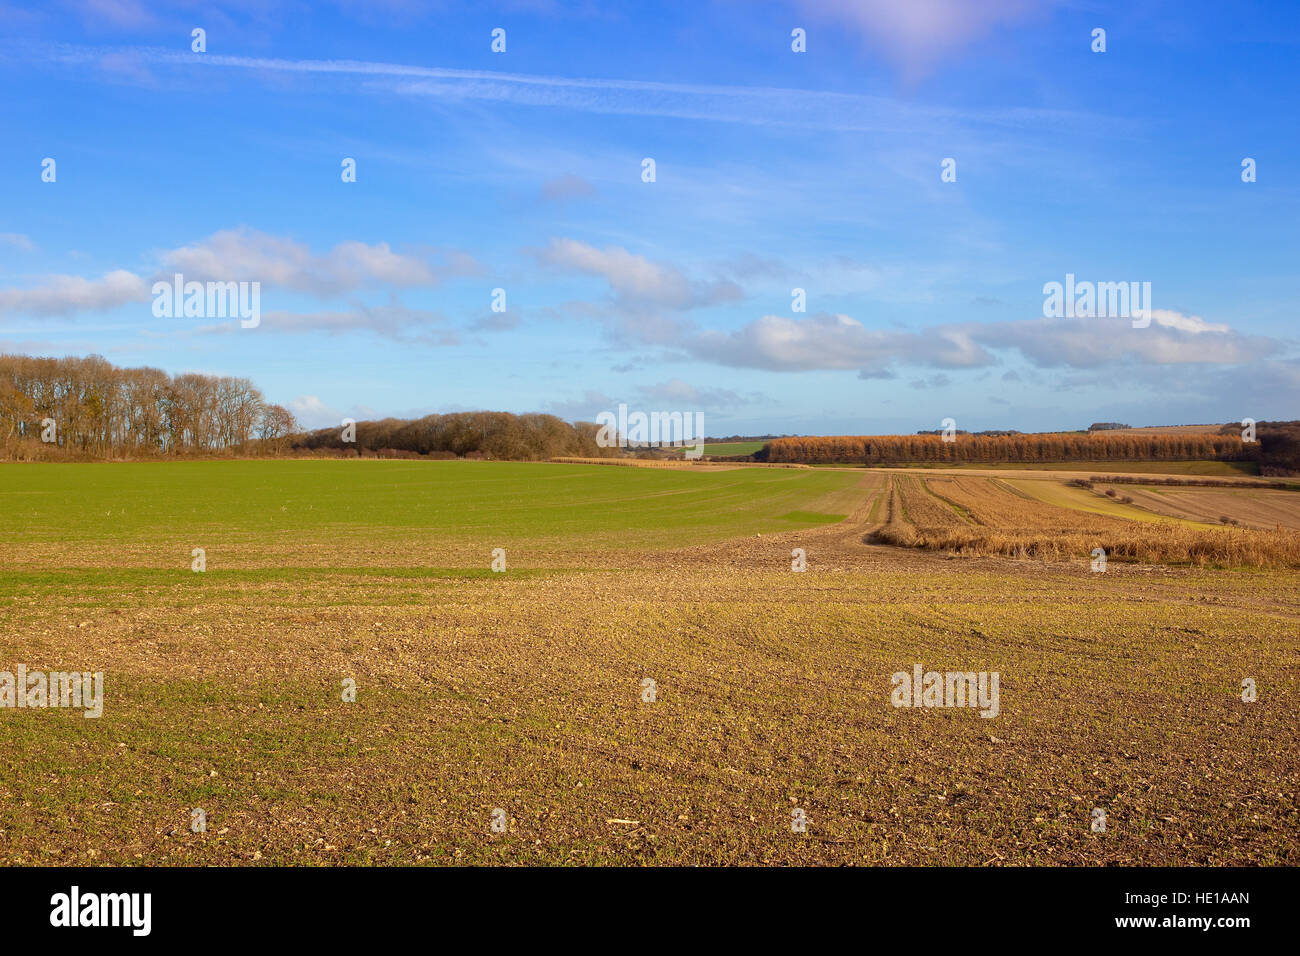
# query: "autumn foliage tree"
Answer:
x=1048 y=447
x=499 y=435
x=98 y=410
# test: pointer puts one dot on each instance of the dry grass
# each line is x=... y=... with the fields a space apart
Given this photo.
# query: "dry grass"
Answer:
x=1008 y=523
x=1265 y=510
x=922 y=508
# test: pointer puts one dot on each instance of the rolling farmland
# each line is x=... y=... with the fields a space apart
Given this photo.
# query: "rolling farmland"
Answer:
x=1263 y=509
x=995 y=516
x=524 y=690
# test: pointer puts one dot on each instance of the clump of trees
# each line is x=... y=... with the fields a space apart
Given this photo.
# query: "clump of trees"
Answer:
x=89 y=408
x=499 y=435
x=1054 y=447
x=1278 y=445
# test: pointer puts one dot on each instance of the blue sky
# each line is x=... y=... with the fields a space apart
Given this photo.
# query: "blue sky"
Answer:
x=775 y=170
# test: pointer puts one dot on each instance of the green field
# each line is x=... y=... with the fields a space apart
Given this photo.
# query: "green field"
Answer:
x=728 y=449
x=451 y=505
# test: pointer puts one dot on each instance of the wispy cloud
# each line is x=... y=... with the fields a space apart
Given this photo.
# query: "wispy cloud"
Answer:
x=16 y=240
x=676 y=394
x=679 y=394
x=392 y=321
x=756 y=105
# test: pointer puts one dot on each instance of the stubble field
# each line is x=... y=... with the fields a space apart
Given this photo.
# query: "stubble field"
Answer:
x=523 y=691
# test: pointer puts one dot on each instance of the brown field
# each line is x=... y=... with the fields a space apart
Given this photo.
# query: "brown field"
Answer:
x=1065 y=471
x=523 y=691
x=994 y=503
x=1194 y=467
x=996 y=517
x=1267 y=510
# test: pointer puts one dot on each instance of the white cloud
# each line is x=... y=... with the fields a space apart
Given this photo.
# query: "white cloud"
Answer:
x=64 y=294
x=824 y=341
x=1171 y=339
x=247 y=254
x=312 y=412
x=634 y=279
x=244 y=254
x=310 y=407
x=1185 y=323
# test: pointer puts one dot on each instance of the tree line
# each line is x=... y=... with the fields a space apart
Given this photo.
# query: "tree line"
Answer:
x=88 y=407
x=501 y=435
x=1070 y=446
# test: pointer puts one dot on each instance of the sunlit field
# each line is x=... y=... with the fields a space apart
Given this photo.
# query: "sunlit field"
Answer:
x=246 y=510
x=520 y=696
